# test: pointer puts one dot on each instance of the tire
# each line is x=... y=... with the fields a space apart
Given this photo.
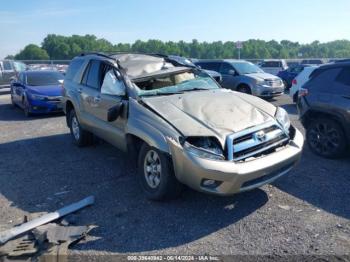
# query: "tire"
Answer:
x=13 y=102
x=26 y=108
x=80 y=136
x=295 y=97
x=156 y=175
x=244 y=89
x=326 y=138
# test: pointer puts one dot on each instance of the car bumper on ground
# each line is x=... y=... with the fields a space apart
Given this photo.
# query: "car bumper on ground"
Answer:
x=44 y=107
x=230 y=177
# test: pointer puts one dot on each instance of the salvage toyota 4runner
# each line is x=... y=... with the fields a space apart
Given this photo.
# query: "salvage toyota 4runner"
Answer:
x=180 y=125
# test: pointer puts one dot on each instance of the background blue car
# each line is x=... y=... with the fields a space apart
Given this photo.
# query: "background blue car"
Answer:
x=38 y=92
x=289 y=74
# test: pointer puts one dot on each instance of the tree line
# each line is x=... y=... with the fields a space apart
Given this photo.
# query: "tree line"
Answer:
x=58 y=47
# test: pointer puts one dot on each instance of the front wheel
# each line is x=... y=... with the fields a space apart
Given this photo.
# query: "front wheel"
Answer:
x=156 y=174
x=326 y=138
x=244 y=89
x=26 y=108
x=80 y=136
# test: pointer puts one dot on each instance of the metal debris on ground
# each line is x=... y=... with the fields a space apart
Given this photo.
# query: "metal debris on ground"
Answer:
x=18 y=230
x=40 y=239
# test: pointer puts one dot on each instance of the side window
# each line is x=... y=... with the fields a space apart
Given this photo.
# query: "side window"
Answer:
x=214 y=66
x=344 y=76
x=7 y=65
x=111 y=84
x=225 y=68
x=93 y=78
x=73 y=68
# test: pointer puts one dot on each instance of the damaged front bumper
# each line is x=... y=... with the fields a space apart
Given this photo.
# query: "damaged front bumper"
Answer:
x=228 y=177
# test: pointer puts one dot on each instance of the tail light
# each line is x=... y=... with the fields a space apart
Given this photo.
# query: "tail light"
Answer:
x=294 y=82
x=303 y=92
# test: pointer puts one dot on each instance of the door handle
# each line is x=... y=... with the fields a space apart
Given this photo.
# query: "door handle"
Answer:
x=97 y=99
x=80 y=90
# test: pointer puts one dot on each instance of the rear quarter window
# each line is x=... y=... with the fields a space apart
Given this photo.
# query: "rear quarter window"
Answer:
x=74 y=68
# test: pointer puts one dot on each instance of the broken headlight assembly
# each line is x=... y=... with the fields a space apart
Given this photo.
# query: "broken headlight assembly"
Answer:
x=204 y=147
x=282 y=118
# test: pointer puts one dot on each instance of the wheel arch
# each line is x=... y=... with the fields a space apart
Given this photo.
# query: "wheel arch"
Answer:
x=315 y=114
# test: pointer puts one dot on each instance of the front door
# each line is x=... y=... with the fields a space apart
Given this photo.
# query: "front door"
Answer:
x=98 y=98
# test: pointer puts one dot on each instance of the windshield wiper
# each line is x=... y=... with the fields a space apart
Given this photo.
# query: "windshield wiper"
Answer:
x=195 y=89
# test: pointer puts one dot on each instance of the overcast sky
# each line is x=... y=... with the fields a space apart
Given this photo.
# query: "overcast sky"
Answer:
x=24 y=22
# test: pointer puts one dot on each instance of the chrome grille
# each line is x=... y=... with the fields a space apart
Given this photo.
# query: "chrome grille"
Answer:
x=255 y=141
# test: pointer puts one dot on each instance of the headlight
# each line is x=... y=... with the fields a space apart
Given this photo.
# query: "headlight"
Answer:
x=204 y=147
x=283 y=118
x=37 y=97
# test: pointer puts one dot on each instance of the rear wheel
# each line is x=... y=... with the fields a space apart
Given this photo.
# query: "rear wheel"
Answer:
x=156 y=174
x=244 y=89
x=326 y=138
x=80 y=136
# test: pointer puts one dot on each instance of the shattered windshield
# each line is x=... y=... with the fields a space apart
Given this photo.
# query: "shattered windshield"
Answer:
x=176 y=83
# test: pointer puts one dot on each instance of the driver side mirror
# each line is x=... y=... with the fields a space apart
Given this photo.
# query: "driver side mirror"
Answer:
x=232 y=72
x=115 y=111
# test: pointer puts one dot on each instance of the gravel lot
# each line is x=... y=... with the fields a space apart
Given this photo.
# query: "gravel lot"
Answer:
x=305 y=212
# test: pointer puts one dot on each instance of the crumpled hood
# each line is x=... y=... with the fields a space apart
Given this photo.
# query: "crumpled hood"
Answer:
x=209 y=113
x=263 y=76
x=46 y=90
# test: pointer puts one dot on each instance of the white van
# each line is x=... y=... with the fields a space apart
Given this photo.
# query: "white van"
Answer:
x=273 y=66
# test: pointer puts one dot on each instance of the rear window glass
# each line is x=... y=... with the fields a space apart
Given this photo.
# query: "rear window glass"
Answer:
x=73 y=68
x=44 y=79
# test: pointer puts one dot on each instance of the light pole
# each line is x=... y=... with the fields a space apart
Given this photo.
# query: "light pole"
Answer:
x=239 y=46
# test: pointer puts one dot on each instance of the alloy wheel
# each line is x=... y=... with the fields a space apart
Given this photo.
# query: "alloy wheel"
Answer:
x=152 y=169
x=75 y=128
x=324 y=138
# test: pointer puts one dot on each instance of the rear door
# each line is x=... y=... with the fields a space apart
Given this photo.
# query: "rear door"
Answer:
x=342 y=94
x=89 y=93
